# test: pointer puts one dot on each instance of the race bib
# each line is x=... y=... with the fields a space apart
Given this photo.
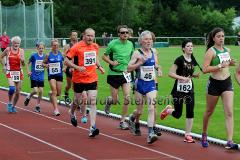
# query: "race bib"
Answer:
x=127 y=76
x=54 y=68
x=15 y=76
x=38 y=65
x=147 y=73
x=224 y=57
x=184 y=86
x=90 y=58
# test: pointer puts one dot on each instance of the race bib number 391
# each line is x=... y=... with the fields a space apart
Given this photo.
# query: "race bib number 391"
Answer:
x=54 y=68
x=15 y=76
x=90 y=58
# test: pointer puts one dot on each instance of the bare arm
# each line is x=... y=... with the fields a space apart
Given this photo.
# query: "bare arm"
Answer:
x=136 y=61
x=22 y=57
x=45 y=61
x=157 y=67
x=207 y=61
x=107 y=59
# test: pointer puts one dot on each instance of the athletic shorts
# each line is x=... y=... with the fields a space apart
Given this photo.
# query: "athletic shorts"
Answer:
x=145 y=87
x=217 y=87
x=37 y=83
x=57 y=78
x=80 y=87
x=68 y=73
x=116 y=80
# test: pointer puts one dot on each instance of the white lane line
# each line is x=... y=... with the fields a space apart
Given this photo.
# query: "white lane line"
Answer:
x=111 y=137
x=44 y=142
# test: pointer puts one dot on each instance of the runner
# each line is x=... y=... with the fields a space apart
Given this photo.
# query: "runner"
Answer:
x=68 y=71
x=36 y=75
x=118 y=55
x=13 y=69
x=144 y=62
x=54 y=62
x=84 y=76
x=183 y=90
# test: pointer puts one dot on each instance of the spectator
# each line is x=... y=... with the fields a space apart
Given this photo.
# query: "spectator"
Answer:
x=4 y=41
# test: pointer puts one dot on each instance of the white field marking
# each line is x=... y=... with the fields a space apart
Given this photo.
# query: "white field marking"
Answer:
x=44 y=142
x=111 y=137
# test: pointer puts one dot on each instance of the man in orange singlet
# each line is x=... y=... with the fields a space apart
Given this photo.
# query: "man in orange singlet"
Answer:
x=84 y=76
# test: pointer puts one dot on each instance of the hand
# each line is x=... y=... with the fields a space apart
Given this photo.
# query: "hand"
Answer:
x=197 y=75
x=114 y=63
x=81 y=68
x=71 y=70
x=232 y=62
x=159 y=72
x=185 y=79
x=29 y=74
x=225 y=64
x=101 y=69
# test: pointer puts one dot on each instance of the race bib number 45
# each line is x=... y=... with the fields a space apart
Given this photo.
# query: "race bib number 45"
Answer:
x=147 y=73
x=90 y=58
x=54 y=68
x=184 y=86
x=15 y=76
x=38 y=65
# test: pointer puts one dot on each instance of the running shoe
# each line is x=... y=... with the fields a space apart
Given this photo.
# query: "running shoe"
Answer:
x=14 y=110
x=123 y=126
x=93 y=132
x=131 y=124
x=84 y=119
x=56 y=113
x=73 y=120
x=204 y=141
x=189 y=139
x=27 y=100
x=37 y=109
x=107 y=106
x=157 y=131
x=9 y=108
x=151 y=138
x=164 y=113
x=231 y=145
x=137 y=131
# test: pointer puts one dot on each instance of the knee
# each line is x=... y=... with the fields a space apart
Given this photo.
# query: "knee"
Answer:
x=177 y=115
x=11 y=90
x=54 y=93
x=229 y=114
x=151 y=109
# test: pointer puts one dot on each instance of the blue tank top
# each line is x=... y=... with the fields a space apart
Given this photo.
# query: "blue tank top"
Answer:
x=37 y=68
x=146 y=72
x=55 y=62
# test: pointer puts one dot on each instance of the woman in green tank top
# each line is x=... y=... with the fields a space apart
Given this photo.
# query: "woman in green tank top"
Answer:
x=217 y=61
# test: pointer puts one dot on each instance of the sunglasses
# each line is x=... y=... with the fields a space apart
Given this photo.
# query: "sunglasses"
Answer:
x=124 y=32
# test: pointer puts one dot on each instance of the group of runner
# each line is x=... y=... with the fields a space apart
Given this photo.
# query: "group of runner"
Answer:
x=80 y=62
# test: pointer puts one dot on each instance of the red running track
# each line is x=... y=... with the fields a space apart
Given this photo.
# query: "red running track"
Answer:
x=27 y=135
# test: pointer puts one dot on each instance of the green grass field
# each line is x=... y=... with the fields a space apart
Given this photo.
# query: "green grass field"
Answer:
x=166 y=59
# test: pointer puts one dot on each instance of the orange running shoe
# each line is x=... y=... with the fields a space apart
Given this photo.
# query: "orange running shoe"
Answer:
x=164 y=113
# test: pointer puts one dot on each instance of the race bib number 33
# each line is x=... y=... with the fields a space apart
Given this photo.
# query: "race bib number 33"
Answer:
x=54 y=68
x=90 y=58
x=15 y=76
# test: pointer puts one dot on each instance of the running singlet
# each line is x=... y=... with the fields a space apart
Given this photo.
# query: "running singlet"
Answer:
x=13 y=66
x=86 y=57
x=146 y=72
x=55 y=62
x=37 y=67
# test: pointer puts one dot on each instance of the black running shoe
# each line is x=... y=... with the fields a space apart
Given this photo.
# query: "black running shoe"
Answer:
x=157 y=131
x=93 y=132
x=27 y=100
x=37 y=109
x=73 y=120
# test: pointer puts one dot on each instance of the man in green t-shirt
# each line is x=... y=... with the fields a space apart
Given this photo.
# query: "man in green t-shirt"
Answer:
x=118 y=55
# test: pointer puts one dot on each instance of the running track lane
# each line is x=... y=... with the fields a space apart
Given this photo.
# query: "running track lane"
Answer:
x=28 y=135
